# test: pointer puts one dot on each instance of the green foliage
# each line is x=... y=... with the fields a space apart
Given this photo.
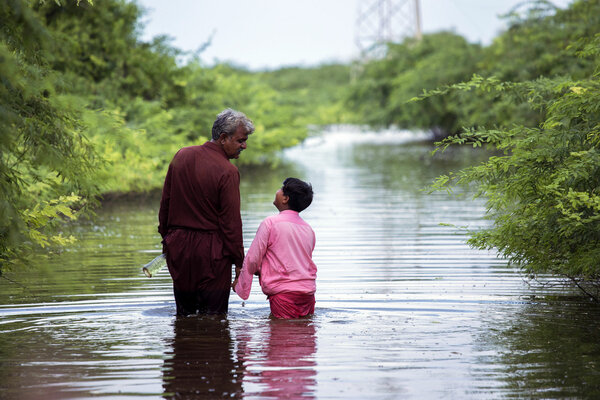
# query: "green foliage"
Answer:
x=314 y=95
x=47 y=213
x=43 y=152
x=535 y=45
x=543 y=188
x=534 y=103
x=537 y=41
x=138 y=106
x=382 y=88
x=87 y=108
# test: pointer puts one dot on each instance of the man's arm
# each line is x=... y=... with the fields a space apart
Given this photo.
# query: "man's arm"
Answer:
x=163 y=212
x=230 y=219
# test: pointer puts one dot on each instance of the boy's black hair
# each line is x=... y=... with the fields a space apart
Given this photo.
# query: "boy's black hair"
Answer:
x=300 y=193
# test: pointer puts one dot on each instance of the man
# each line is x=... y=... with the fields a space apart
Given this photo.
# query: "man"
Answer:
x=199 y=217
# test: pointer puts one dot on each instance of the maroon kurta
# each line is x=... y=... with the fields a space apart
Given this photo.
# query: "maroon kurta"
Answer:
x=199 y=218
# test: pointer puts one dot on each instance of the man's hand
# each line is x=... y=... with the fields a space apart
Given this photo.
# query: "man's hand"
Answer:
x=237 y=276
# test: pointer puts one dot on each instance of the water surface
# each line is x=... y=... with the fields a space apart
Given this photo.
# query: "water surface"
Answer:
x=404 y=308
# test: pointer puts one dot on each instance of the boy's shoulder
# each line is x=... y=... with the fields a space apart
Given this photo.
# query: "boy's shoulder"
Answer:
x=286 y=216
x=270 y=220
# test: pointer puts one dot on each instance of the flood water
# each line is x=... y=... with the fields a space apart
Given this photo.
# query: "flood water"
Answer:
x=405 y=310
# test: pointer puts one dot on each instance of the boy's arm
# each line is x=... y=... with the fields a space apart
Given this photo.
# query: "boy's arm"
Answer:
x=253 y=260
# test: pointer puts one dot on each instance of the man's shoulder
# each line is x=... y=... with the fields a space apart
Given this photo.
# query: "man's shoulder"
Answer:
x=207 y=153
x=198 y=148
x=187 y=150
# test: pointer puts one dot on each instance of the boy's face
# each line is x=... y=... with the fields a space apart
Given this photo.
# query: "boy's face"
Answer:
x=281 y=200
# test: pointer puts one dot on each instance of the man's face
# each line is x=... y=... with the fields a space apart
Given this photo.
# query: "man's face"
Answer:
x=234 y=145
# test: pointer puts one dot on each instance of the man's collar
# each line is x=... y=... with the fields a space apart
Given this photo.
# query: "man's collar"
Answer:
x=215 y=146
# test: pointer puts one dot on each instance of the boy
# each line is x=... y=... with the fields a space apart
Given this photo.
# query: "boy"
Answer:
x=281 y=255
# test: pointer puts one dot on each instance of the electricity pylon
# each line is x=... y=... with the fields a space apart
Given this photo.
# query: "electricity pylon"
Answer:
x=383 y=21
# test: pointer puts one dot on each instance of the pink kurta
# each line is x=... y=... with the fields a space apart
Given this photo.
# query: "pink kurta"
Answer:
x=281 y=253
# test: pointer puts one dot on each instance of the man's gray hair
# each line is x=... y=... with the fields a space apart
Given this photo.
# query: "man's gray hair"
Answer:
x=228 y=121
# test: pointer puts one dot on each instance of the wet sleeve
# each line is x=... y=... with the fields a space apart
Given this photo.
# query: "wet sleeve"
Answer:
x=163 y=212
x=230 y=219
x=244 y=284
x=253 y=260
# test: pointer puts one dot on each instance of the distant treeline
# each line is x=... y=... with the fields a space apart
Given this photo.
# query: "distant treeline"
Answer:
x=88 y=108
x=536 y=44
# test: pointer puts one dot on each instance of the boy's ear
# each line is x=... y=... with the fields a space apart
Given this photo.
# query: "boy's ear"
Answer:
x=285 y=199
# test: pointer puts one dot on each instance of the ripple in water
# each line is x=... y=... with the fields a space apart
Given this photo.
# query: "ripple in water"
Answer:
x=404 y=308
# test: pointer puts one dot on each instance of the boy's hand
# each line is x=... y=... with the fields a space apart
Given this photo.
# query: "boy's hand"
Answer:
x=234 y=284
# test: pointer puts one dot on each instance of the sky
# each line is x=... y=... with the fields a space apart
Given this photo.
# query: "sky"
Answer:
x=270 y=34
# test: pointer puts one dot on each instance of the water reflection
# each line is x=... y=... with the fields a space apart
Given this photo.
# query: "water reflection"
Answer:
x=280 y=360
x=550 y=349
x=201 y=363
x=210 y=359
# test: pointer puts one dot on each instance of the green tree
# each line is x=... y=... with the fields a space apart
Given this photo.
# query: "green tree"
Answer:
x=543 y=191
x=316 y=94
x=46 y=163
x=383 y=87
x=140 y=106
x=101 y=55
x=536 y=44
x=537 y=40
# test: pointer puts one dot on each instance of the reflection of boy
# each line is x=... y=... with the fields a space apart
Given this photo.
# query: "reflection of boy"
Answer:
x=281 y=255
